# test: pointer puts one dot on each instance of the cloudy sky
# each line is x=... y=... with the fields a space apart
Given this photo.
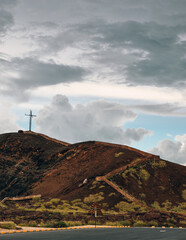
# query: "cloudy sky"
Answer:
x=106 y=70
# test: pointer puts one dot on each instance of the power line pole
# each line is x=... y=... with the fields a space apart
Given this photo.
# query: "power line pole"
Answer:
x=30 y=119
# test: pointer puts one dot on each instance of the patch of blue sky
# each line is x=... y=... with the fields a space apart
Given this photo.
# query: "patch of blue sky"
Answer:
x=163 y=127
x=24 y=123
x=22 y=120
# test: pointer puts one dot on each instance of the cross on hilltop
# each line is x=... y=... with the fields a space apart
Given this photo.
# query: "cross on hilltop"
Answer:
x=30 y=119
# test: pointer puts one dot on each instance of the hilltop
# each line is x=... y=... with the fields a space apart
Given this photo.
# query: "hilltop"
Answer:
x=119 y=177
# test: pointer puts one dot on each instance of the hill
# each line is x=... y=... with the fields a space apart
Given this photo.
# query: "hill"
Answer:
x=117 y=176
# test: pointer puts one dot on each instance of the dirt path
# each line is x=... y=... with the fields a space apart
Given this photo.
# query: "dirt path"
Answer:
x=122 y=191
x=20 y=198
x=135 y=162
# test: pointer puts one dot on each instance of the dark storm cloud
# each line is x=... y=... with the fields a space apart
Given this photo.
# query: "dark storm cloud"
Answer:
x=147 y=53
x=7 y=3
x=127 y=42
x=68 y=12
x=165 y=63
x=67 y=37
x=6 y=20
x=47 y=24
x=30 y=73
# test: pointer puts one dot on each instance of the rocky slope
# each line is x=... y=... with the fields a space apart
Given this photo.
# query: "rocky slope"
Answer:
x=33 y=163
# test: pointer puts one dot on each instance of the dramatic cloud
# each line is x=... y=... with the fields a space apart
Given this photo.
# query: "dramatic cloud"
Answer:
x=125 y=42
x=166 y=11
x=131 y=52
x=165 y=109
x=98 y=120
x=7 y=119
x=174 y=151
x=6 y=18
x=5 y=21
x=26 y=74
x=145 y=53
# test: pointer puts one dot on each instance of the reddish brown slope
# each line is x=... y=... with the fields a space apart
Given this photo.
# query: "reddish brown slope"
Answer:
x=149 y=181
x=24 y=158
x=32 y=163
x=85 y=161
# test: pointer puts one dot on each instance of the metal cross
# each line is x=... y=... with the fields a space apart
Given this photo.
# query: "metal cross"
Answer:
x=30 y=120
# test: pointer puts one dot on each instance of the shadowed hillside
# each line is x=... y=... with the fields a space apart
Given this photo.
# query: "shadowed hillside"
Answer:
x=24 y=158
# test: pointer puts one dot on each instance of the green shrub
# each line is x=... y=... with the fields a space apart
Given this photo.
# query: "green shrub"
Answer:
x=118 y=154
x=142 y=195
x=144 y=174
x=94 y=198
x=180 y=208
x=167 y=205
x=94 y=184
x=78 y=204
x=171 y=220
x=65 y=205
x=8 y=225
x=59 y=224
x=160 y=164
x=32 y=224
x=76 y=201
x=92 y=222
x=111 y=194
x=167 y=224
x=105 y=205
x=137 y=160
x=2 y=205
x=162 y=188
x=81 y=205
x=73 y=223
x=36 y=199
x=183 y=223
x=116 y=223
x=42 y=208
x=156 y=205
x=55 y=200
x=140 y=224
x=129 y=171
x=139 y=184
x=128 y=207
x=49 y=205
x=184 y=194
x=109 y=211
x=126 y=223
x=23 y=224
x=152 y=223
